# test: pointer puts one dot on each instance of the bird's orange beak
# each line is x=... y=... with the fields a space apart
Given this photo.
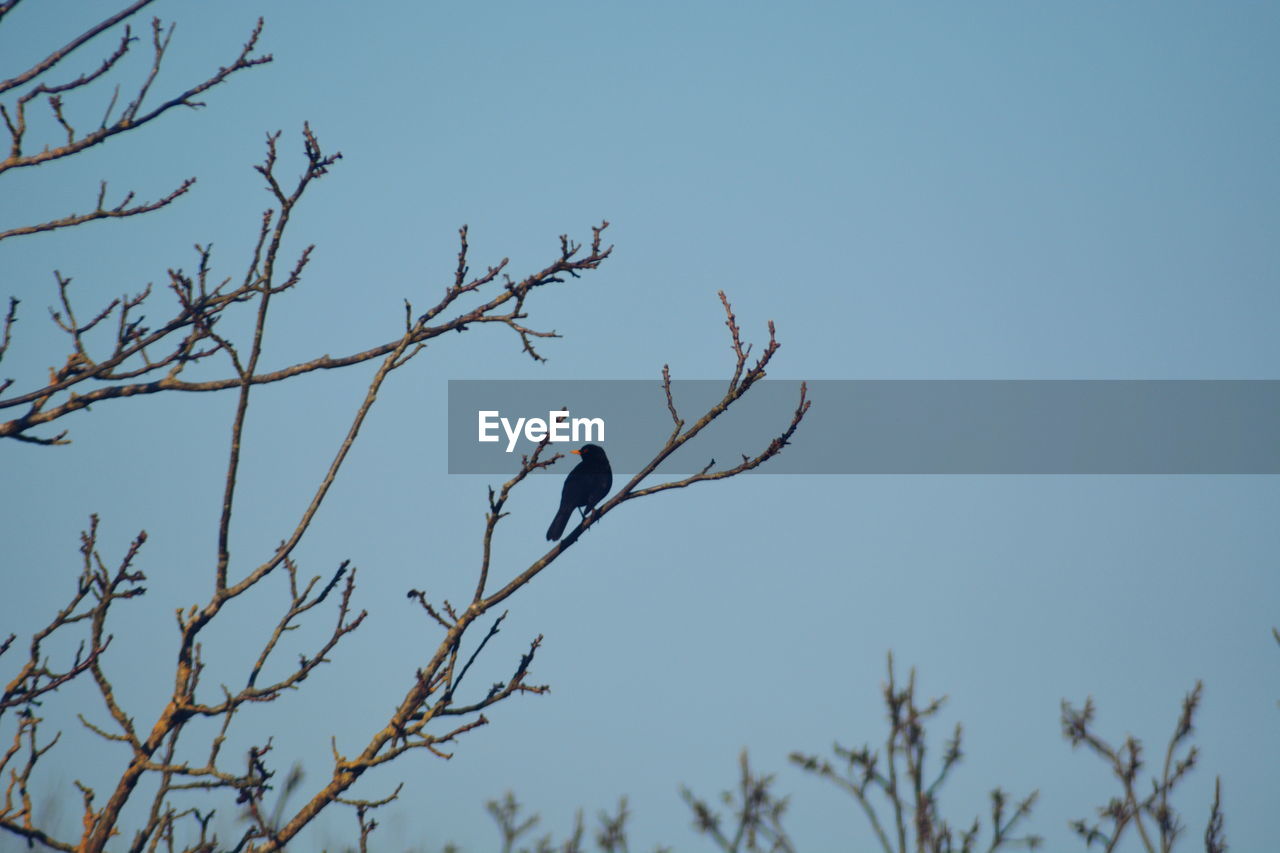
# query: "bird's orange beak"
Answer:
x=579 y=452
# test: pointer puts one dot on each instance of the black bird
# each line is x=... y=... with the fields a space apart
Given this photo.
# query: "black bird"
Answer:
x=586 y=486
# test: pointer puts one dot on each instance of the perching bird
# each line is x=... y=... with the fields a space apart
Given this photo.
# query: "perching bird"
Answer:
x=586 y=486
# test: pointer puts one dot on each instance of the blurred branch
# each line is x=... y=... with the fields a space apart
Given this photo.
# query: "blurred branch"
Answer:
x=1215 y=840
x=612 y=835
x=511 y=825
x=756 y=812
x=1133 y=809
x=514 y=826
x=909 y=789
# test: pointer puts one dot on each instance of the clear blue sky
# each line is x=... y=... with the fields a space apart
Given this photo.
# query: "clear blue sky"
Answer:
x=979 y=190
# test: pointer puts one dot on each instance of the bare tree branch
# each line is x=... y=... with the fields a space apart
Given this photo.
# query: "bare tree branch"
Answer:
x=101 y=211
x=131 y=117
x=23 y=152
x=66 y=50
x=899 y=778
x=756 y=812
x=113 y=351
x=1133 y=809
x=190 y=337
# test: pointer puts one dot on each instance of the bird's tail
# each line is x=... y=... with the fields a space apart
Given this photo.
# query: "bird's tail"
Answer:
x=557 y=524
